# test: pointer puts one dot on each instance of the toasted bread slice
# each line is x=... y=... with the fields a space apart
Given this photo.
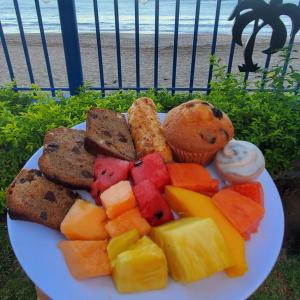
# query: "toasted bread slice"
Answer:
x=107 y=133
x=32 y=197
x=65 y=159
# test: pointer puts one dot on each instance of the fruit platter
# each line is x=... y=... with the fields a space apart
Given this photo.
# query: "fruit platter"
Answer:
x=146 y=205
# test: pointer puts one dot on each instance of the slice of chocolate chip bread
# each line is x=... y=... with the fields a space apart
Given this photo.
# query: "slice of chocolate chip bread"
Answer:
x=32 y=197
x=65 y=159
x=107 y=133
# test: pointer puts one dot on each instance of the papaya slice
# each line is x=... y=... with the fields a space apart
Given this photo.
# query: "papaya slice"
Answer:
x=242 y=212
x=252 y=190
x=193 y=177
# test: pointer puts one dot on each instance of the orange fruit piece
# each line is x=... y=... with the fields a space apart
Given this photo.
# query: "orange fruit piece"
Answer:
x=242 y=212
x=117 y=199
x=252 y=190
x=84 y=221
x=192 y=176
x=86 y=259
x=129 y=220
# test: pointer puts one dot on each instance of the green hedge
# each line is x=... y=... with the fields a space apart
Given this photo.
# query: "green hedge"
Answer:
x=271 y=120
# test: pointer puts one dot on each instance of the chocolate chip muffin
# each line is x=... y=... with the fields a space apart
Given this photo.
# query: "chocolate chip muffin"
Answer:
x=65 y=159
x=32 y=197
x=196 y=130
x=107 y=133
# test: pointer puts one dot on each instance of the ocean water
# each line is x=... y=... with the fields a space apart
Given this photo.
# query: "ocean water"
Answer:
x=86 y=22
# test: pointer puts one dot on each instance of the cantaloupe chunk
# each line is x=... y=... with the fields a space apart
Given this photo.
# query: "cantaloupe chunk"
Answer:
x=84 y=221
x=129 y=220
x=117 y=199
x=86 y=259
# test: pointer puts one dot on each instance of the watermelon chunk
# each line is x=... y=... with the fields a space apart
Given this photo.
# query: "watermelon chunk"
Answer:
x=152 y=167
x=107 y=172
x=252 y=190
x=151 y=204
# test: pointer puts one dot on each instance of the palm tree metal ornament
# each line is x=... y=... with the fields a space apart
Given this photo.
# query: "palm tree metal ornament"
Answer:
x=267 y=14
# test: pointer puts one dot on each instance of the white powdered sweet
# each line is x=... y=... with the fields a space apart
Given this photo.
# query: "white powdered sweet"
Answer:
x=239 y=161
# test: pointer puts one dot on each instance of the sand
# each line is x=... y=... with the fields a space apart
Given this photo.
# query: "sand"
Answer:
x=90 y=60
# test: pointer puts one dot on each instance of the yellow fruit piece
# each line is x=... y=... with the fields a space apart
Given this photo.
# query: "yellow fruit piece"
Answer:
x=86 y=259
x=187 y=203
x=84 y=221
x=142 y=267
x=121 y=243
x=194 y=247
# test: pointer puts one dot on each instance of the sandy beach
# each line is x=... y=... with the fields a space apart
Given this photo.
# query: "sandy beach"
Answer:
x=90 y=59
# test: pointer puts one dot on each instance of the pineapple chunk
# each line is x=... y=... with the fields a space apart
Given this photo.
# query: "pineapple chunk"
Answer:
x=121 y=243
x=194 y=247
x=142 y=267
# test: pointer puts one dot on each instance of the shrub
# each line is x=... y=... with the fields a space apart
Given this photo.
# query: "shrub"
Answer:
x=271 y=119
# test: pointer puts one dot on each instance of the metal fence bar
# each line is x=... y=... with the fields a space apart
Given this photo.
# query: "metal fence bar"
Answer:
x=175 y=45
x=99 y=47
x=137 y=44
x=231 y=53
x=111 y=88
x=69 y=30
x=246 y=76
x=290 y=47
x=297 y=89
x=214 y=42
x=52 y=90
x=156 y=40
x=44 y=44
x=6 y=54
x=267 y=64
x=142 y=88
x=118 y=46
x=195 y=41
x=23 y=39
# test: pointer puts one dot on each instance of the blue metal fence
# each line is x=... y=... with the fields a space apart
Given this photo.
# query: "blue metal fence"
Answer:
x=70 y=36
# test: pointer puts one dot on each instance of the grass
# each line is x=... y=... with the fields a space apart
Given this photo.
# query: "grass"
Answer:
x=14 y=284
x=282 y=283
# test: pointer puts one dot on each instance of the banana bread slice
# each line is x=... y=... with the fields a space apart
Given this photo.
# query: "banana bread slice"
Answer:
x=65 y=159
x=32 y=197
x=107 y=133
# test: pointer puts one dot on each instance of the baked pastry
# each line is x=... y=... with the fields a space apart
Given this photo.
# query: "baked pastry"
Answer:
x=146 y=129
x=196 y=130
x=107 y=133
x=65 y=159
x=239 y=161
x=32 y=197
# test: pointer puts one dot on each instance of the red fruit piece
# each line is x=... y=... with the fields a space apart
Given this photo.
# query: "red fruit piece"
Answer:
x=252 y=190
x=242 y=212
x=152 y=167
x=108 y=171
x=151 y=204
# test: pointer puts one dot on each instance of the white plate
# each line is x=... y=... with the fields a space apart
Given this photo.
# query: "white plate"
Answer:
x=36 y=250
